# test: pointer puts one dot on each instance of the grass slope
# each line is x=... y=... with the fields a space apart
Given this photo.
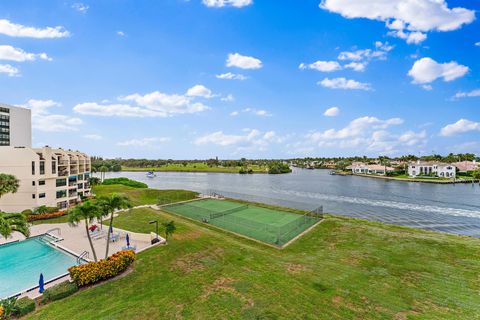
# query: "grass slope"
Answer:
x=142 y=196
x=197 y=167
x=343 y=269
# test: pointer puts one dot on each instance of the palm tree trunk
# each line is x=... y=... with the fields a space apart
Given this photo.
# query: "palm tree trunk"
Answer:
x=90 y=241
x=108 y=235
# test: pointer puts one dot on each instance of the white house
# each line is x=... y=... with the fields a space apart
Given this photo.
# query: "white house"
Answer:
x=362 y=168
x=442 y=170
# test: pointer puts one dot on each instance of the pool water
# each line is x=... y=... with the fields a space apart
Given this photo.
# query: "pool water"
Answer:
x=22 y=262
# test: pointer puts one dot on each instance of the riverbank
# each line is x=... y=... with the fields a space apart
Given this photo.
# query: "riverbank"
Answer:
x=198 y=167
x=344 y=268
x=421 y=180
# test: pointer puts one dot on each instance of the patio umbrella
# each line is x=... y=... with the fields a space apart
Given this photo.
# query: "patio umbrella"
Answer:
x=41 y=284
x=128 y=241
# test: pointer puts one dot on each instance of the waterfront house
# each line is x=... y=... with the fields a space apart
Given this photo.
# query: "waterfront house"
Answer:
x=466 y=166
x=362 y=168
x=436 y=169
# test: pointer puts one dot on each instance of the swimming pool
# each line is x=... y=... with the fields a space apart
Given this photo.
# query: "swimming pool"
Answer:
x=22 y=262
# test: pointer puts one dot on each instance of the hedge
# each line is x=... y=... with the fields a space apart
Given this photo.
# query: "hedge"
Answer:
x=125 y=182
x=24 y=306
x=94 y=272
x=45 y=216
x=59 y=291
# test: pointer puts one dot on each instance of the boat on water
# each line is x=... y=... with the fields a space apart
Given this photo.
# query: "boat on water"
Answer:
x=151 y=174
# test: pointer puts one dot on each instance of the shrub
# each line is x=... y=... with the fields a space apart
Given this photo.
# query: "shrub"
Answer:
x=125 y=182
x=24 y=306
x=59 y=291
x=26 y=213
x=93 y=272
x=45 y=216
x=278 y=168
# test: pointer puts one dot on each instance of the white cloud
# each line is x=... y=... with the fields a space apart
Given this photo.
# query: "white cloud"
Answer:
x=477 y=44
x=16 y=54
x=473 y=93
x=461 y=126
x=322 y=66
x=380 y=52
x=365 y=133
x=427 y=70
x=154 y=104
x=251 y=140
x=120 y=33
x=228 y=98
x=200 y=91
x=43 y=120
x=427 y=87
x=343 y=83
x=225 y=3
x=408 y=19
x=356 y=66
x=354 y=129
x=411 y=37
x=93 y=137
x=80 y=7
x=256 y=112
x=9 y=70
x=231 y=76
x=17 y=30
x=332 y=112
x=243 y=62
x=143 y=142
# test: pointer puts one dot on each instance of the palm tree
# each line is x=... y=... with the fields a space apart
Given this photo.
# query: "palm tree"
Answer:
x=10 y=222
x=86 y=212
x=169 y=228
x=8 y=184
x=109 y=204
x=103 y=169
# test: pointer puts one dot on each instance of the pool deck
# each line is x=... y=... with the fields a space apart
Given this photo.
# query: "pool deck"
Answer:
x=75 y=241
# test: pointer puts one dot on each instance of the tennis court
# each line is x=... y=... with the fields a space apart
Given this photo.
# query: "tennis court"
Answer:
x=274 y=227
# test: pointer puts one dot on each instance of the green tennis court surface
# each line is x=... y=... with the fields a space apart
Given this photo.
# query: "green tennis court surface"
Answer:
x=271 y=226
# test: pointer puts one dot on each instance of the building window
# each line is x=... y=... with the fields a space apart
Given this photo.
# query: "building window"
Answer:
x=42 y=167
x=33 y=183
x=41 y=182
x=41 y=195
x=33 y=195
x=61 y=182
x=54 y=167
x=61 y=194
x=33 y=167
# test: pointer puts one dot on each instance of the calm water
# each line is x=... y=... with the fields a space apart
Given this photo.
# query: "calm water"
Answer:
x=448 y=208
x=22 y=262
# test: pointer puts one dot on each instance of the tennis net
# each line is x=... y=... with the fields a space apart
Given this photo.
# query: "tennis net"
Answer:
x=216 y=215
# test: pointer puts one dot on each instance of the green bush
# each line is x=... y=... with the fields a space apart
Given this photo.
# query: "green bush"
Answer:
x=59 y=291
x=27 y=212
x=125 y=182
x=279 y=168
x=24 y=306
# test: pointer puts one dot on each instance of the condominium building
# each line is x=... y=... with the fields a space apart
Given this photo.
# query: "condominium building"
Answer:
x=15 y=126
x=50 y=177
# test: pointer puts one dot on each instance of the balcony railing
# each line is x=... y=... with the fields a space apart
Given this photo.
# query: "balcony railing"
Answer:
x=63 y=163
x=63 y=173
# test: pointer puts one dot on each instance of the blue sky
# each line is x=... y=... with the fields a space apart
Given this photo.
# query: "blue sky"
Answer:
x=241 y=78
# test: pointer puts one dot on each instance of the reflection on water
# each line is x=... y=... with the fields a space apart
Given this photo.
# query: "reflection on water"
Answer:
x=448 y=208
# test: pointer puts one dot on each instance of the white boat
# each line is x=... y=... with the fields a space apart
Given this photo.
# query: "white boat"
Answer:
x=151 y=174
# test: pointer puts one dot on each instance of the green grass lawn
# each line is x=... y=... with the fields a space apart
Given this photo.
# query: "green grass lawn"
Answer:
x=343 y=269
x=197 y=167
x=143 y=196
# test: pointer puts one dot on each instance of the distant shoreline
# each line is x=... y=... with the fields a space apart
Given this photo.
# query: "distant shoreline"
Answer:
x=192 y=170
x=419 y=180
